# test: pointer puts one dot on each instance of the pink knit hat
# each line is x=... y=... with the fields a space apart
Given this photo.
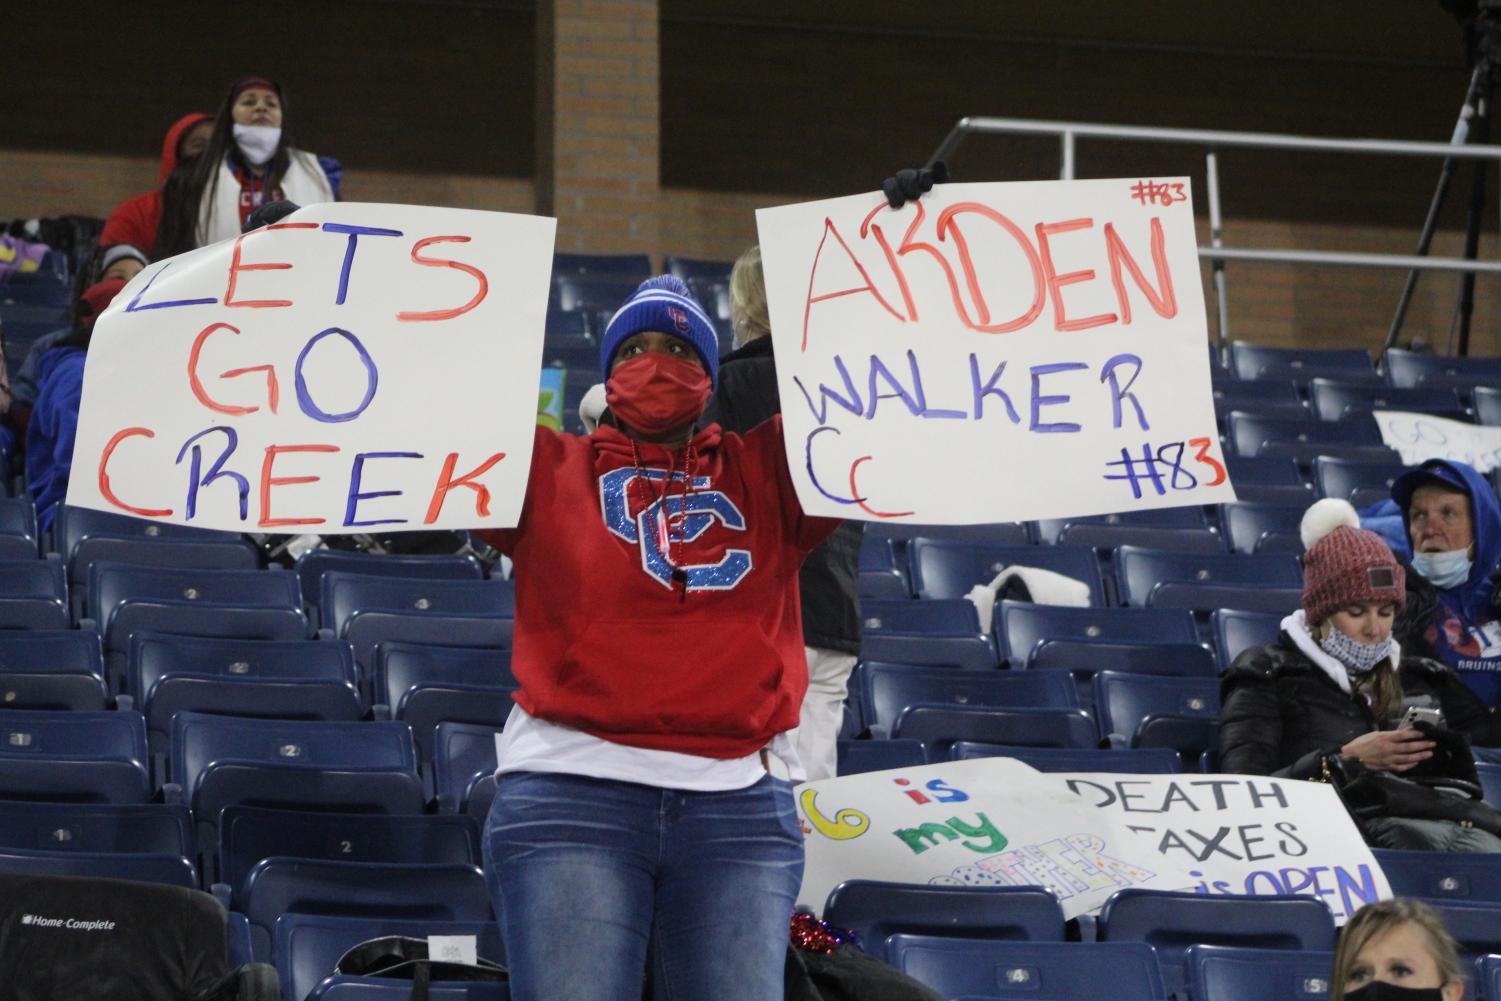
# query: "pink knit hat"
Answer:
x=1345 y=564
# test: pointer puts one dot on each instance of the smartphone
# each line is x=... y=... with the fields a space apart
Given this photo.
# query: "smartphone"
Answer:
x=1421 y=714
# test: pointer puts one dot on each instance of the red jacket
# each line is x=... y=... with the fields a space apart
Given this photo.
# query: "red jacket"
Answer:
x=610 y=642
x=135 y=220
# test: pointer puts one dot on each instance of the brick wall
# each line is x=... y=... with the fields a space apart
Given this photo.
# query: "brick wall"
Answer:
x=1271 y=304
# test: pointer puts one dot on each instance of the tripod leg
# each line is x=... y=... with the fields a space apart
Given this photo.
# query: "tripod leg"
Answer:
x=1466 y=305
x=1446 y=174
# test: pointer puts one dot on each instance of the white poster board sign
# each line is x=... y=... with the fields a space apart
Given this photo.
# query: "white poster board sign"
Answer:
x=353 y=368
x=998 y=822
x=1242 y=834
x=1419 y=437
x=986 y=822
x=994 y=352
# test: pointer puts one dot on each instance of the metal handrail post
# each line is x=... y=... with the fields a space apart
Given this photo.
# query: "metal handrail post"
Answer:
x=1067 y=173
x=1222 y=307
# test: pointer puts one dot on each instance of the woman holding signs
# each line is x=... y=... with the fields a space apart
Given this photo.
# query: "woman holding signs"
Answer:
x=1334 y=698
x=637 y=830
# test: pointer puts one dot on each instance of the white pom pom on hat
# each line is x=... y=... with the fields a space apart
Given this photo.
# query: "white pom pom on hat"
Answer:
x=1324 y=517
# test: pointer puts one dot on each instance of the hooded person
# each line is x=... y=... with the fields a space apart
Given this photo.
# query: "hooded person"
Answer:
x=54 y=420
x=135 y=221
x=1337 y=684
x=659 y=653
x=250 y=161
x=1453 y=522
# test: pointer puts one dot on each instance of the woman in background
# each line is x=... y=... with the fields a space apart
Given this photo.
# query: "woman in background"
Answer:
x=1396 y=950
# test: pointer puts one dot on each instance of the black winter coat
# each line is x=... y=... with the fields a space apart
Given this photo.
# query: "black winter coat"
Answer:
x=1280 y=714
x=830 y=578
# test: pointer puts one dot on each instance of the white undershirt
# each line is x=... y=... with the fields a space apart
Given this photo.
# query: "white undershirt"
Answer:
x=528 y=744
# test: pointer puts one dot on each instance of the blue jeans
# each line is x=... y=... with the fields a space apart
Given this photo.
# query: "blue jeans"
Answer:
x=597 y=880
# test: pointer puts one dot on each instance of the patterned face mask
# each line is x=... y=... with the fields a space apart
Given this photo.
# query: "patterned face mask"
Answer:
x=1358 y=658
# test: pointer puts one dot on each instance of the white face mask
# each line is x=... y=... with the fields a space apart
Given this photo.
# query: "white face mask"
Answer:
x=1444 y=570
x=257 y=142
x=1358 y=658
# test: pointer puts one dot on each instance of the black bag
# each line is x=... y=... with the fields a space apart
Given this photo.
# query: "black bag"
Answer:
x=401 y=957
x=1370 y=794
x=847 y=974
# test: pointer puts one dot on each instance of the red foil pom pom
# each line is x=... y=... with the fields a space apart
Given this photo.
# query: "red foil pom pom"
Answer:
x=812 y=935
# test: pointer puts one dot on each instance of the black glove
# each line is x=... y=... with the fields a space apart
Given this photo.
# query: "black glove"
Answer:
x=909 y=185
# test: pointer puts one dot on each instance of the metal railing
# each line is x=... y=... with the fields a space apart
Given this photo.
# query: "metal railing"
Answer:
x=1212 y=141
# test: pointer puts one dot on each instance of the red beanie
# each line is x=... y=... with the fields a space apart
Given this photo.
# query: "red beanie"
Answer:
x=96 y=299
x=1346 y=567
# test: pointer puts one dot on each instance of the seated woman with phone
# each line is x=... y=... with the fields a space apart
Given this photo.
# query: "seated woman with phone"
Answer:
x=1334 y=700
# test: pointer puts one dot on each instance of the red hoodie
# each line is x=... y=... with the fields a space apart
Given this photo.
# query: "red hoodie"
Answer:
x=135 y=220
x=609 y=642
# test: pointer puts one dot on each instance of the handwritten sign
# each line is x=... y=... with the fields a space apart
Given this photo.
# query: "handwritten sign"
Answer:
x=1419 y=437
x=994 y=352
x=353 y=367
x=998 y=822
x=988 y=822
x=1241 y=834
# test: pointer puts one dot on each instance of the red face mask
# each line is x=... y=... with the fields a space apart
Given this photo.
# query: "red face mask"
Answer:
x=657 y=392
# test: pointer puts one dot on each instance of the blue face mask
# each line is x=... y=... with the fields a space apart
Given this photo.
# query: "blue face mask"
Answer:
x=1444 y=570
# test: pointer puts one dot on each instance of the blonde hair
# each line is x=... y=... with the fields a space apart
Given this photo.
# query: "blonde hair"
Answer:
x=748 y=311
x=1375 y=920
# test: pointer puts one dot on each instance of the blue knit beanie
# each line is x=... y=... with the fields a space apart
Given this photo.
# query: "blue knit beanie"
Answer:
x=663 y=303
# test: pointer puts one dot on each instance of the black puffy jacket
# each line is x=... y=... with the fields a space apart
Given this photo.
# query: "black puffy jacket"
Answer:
x=830 y=578
x=1280 y=713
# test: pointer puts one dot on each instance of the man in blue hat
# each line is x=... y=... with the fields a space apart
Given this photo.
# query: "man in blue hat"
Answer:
x=1453 y=522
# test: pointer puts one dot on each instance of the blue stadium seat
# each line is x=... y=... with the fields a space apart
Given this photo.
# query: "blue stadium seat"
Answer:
x=1177 y=540
x=1143 y=576
x=306 y=947
x=1487 y=405
x=1002 y=533
x=141 y=867
x=80 y=757
x=1137 y=710
x=463 y=753
x=1083 y=659
x=625 y=267
x=481 y=797
x=876 y=553
x=52 y=669
x=424 y=685
x=690 y=267
x=1488 y=976
x=1270 y=397
x=573 y=293
x=1265 y=528
x=883 y=584
x=559 y=324
x=1360 y=483
x=278 y=679
x=875 y=910
x=886 y=689
x=364 y=767
x=942 y=569
x=312 y=565
x=1045 y=971
x=571 y=354
x=925 y=632
x=1272 y=472
x=1458 y=876
x=425 y=892
x=1475 y=926
x=1280 y=494
x=183 y=617
x=856 y=756
x=18 y=533
x=1235 y=630
x=1334 y=400
x=1410 y=369
x=33 y=595
x=940 y=726
x=1131 y=760
x=248 y=834
x=1022 y=626
x=99 y=828
x=1254 y=361
x=1184 y=518
x=1307 y=453
x=1490 y=781
x=1227 y=973
x=950 y=617
x=1249 y=434
x=1171 y=921
x=75 y=526
x=112 y=584
x=367 y=609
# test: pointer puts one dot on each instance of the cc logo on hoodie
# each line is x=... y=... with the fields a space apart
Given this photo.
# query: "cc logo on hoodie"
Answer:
x=690 y=519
